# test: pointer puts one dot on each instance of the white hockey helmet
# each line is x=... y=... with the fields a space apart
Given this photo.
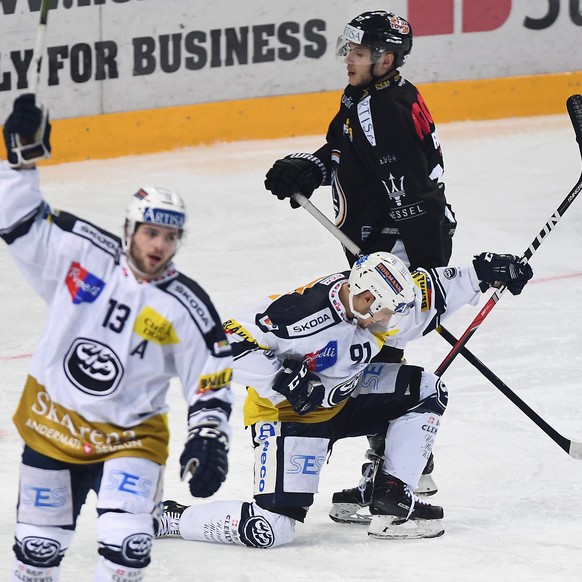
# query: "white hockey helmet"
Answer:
x=387 y=278
x=154 y=205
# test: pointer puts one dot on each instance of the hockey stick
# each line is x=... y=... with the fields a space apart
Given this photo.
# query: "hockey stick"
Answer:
x=325 y=221
x=346 y=241
x=574 y=106
x=574 y=449
x=39 y=47
x=26 y=152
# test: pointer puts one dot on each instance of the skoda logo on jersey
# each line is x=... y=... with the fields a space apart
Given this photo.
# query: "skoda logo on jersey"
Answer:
x=93 y=367
x=164 y=217
x=322 y=359
x=311 y=324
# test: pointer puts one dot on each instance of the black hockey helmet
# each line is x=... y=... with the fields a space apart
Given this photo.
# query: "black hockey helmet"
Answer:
x=381 y=32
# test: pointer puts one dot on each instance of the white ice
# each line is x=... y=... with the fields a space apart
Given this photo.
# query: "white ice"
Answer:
x=512 y=497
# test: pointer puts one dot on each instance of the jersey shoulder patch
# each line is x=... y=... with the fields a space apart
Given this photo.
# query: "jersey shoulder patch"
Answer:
x=201 y=310
x=304 y=312
x=424 y=283
x=97 y=236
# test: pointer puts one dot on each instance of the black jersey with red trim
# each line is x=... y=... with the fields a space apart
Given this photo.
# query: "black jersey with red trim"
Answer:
x=384 y=160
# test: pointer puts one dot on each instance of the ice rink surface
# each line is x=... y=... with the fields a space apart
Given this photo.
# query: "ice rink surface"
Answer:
x=512 y=497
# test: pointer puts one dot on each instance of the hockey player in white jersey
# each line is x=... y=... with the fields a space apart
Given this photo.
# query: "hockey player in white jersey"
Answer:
x=305 y=359
x=122 y=322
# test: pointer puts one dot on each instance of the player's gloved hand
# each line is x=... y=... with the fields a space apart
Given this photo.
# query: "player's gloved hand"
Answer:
x=295 y=173
x=27 y=132
x=205 y=460
x=496 y=270
x=302 y=388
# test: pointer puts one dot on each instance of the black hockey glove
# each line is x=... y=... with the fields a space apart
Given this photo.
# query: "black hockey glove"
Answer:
x=27 y=132
x=496 y=270
x=301 y=387
x=205 y=459
x=295 y=173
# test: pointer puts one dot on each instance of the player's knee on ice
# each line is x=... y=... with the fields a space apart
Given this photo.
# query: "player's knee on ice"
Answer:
x=236 y=522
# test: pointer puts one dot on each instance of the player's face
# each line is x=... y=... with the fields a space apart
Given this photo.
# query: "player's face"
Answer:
x=152 y=248
x=359 y=62
x=381 y=317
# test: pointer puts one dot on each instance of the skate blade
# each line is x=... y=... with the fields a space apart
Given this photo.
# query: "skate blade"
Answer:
x=349 y=513
x=389 y=527
x=426 y=486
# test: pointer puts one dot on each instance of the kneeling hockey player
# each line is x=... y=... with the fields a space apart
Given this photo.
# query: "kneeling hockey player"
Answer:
x=305 y=359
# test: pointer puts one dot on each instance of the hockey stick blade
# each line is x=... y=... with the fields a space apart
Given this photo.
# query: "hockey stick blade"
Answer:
x=574 y=107
x=574 y=449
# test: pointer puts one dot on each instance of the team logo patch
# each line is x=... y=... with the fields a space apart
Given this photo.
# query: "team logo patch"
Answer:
x=82 y=285
x=257 y=532
x=322 y=359
x=136 y=548
x=41 y=550
x=450 y=273
x=93 y=367
x=340 y=392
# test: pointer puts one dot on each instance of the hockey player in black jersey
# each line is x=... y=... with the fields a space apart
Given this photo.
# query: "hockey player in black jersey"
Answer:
x=384 y=162
x=306 y=358
x=382 y=155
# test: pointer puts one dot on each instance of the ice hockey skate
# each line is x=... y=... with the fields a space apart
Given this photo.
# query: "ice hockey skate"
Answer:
x=398 y=514
x=351 y=505
x=169 y=524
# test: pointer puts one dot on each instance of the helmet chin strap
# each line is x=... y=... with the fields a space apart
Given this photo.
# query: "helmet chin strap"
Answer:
x=353 y=310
